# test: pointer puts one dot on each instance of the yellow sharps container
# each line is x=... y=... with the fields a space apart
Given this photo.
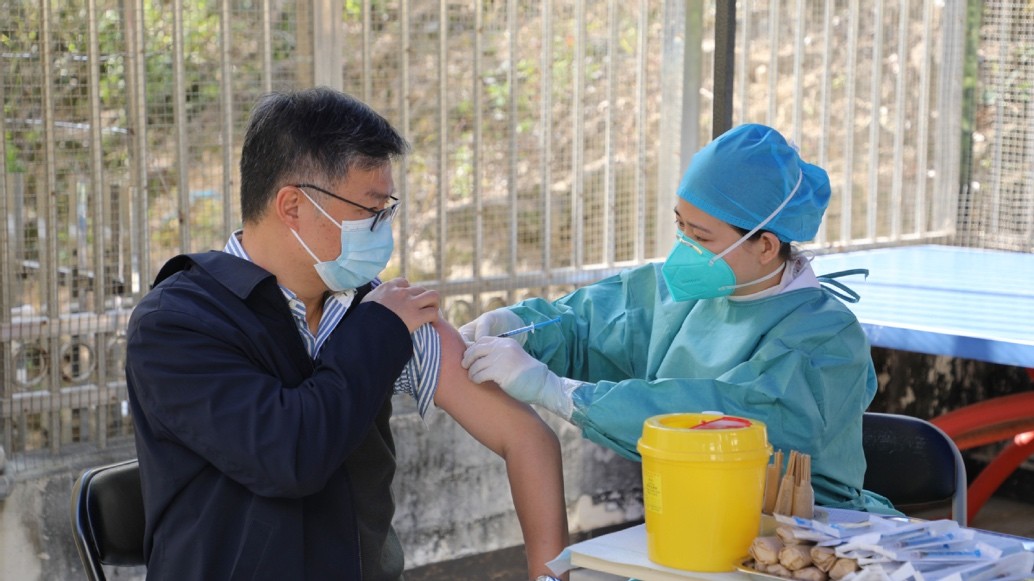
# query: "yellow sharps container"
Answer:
x=703 y=485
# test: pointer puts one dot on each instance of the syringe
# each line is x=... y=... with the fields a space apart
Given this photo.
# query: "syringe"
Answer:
x=528 y=328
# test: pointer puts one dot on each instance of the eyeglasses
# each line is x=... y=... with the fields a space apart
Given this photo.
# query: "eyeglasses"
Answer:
x=386 y=214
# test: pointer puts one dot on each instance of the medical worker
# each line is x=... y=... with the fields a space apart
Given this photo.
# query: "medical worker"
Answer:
x=734 y=320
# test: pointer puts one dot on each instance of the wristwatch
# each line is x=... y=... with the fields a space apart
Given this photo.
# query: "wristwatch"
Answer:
x=546 y=578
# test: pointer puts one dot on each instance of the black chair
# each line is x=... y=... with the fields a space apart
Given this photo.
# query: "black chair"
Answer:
x=914 y=464
x=108 y=518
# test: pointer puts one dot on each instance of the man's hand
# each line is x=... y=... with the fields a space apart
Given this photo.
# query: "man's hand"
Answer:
x=504 y=361
x=415 y=305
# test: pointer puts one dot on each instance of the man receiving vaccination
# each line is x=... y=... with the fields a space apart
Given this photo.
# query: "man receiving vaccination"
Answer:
x=260 y=376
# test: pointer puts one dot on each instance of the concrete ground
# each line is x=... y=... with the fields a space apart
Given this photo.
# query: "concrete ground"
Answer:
x=1007 y=516
x=1001 y=515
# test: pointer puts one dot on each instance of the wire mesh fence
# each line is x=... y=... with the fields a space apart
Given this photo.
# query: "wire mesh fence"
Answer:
x=533 y=127
x=901 y=102
x=996 y=209
x=544 y=134
x=869 y=91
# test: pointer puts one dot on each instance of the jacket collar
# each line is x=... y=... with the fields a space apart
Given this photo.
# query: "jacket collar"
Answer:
x=239 y=276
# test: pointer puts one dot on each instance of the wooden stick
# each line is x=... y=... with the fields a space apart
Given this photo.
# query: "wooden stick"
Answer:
x=804 y=495
x=772 y=475
x=784 y=498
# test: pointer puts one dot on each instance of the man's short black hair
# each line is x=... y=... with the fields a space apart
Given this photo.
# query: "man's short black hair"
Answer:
x=314 y=135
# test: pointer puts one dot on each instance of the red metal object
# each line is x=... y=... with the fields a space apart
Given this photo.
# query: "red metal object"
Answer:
x=987 y=422
x=995 y=473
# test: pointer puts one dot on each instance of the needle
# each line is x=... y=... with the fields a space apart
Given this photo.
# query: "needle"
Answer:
x=528 y=328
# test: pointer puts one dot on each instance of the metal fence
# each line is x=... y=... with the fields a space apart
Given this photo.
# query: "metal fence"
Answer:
x=996 y=208
x=548 y=137
x=534 y=128
x=870 y=91
x=921 y=111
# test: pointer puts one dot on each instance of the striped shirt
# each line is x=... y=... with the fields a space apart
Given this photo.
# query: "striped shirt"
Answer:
x=419 y=378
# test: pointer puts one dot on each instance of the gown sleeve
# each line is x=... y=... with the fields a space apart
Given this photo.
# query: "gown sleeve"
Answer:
x=615 y=328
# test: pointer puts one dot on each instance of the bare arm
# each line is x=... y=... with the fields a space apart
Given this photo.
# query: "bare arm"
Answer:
x=515 y=432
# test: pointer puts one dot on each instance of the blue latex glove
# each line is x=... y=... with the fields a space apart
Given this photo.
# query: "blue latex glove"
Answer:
x=504 y=361
x=491 y=324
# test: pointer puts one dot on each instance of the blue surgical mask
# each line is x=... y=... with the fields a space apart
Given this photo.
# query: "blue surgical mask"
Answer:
x=364 y=253
x=694 y=272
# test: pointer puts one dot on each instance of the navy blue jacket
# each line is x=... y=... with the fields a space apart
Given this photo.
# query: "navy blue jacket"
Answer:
x=243 y=439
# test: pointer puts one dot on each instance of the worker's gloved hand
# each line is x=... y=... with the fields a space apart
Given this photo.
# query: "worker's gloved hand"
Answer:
x=491 y=324
x=504 y=361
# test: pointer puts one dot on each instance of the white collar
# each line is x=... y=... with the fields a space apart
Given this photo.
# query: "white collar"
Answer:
x=797 y=275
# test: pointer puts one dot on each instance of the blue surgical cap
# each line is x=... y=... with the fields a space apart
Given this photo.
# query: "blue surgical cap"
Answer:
x=746 y=173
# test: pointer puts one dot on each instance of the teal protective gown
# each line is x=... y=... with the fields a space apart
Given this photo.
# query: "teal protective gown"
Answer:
x=797 y=361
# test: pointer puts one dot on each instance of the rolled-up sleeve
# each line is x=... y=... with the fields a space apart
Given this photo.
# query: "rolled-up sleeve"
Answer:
x=419 y=378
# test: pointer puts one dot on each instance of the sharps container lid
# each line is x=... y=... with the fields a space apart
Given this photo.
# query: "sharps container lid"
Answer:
x=703 y=437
